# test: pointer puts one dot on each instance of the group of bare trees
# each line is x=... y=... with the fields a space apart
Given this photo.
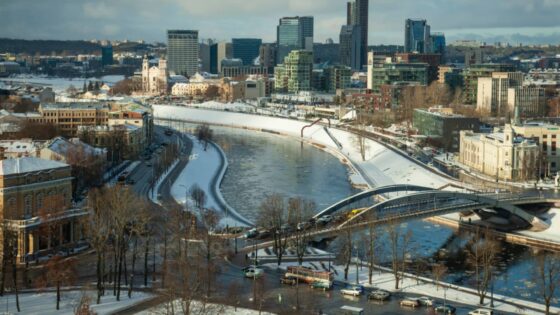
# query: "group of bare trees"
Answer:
x=285 y=220
x=204 y=134
x=118 y=225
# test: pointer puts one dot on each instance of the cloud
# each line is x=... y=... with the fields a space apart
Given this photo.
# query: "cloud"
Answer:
x=224 y=19
x=98 y=10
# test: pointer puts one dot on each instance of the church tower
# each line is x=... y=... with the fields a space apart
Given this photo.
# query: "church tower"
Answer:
x=145 y=75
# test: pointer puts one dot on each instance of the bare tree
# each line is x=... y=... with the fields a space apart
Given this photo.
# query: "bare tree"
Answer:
x=204 y=134
x=547 y=277
x=300 y=212
x=482 y=252
x=198 y=196
x=345 y=254
x=98 y=229
x=273 y=217
x=59 y=271
x=438 y=271
x=369 y=239
x=399 y=242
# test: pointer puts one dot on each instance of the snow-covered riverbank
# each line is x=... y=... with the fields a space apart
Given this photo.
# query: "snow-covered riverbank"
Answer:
x=206 y=169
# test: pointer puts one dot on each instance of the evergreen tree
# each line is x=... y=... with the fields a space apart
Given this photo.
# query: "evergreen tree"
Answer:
x=90 y=86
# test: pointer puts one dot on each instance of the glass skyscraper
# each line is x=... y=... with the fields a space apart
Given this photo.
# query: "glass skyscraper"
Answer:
x=357 y=13
x=182 y=52
x=293 y=33
x=417 y=36
x=246 y=49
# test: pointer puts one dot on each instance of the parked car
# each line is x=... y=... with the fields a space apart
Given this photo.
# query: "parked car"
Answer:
x=379 y=295
x=481 y=311
x=446 y=309
x=409 y=302
x=355 y=290
x=252 y=233
x=324 y=220
x=303 y=226
x=321 y=285
x=426 y=301
x=254 y=272
x=288 y=280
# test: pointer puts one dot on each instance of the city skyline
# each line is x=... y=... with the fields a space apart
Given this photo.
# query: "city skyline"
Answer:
x=513 y=20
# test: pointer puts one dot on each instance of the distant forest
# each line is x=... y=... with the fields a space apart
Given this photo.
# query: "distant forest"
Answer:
x=46 y=47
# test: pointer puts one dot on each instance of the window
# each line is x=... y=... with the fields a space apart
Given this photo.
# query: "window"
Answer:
x=553 y=136
x=39 y=201
x=28 y=206
x=12 y=202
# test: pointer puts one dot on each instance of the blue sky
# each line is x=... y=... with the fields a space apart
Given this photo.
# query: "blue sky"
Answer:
x=528 y=21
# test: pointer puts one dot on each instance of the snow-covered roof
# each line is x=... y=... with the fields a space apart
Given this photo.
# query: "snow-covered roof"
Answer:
x=27 y=164
x=61 y=146
x=19 y=146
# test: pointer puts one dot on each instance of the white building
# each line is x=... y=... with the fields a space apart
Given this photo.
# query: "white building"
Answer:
x=154 y=79
x=500 y=155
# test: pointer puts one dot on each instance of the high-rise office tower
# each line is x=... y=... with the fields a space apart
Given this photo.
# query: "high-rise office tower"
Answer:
x=267 y=56
x=351 y=46
x=204 y=55
x=417 y=36
x=246 y=49
x=357 y=13
x=219 y=52
x=107 y=55
x=438 y=44
x=182 y=52
x=293 y=33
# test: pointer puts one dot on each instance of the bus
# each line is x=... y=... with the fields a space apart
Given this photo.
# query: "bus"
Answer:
x=309 y=275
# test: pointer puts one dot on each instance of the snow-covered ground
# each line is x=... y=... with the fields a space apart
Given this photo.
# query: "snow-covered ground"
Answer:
x=200 y=308
x=385 y=280
x=154 y=192
x=60 y=85
x=45 y=303
x=380 y=166
x=205 y=170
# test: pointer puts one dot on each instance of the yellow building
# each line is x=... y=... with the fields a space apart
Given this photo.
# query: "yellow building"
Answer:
x=36 y=206
x=547 y=135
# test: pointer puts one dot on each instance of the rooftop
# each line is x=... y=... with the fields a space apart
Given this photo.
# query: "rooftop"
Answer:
x=27 y=165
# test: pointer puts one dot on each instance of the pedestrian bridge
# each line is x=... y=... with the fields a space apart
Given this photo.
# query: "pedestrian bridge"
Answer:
x=423 y=202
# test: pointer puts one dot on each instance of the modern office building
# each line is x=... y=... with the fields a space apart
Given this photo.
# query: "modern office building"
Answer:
x=492 y=92
x=417 y=36
x=530 y=101
x=357 y=13
x=182 y=52
x=474 y=57
x=294 y=75
x=451 y=76
x=293 y=33
x=219 y=52
x=326 y=52
x=443 y=126
x=350 y=46
x=204 y=55
x=267 y=56
x=438 y=45
x=472 y=73
x=107 y=55
x=390 y=73
x=433 y=61
x=246 y=49
x=337 y=77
